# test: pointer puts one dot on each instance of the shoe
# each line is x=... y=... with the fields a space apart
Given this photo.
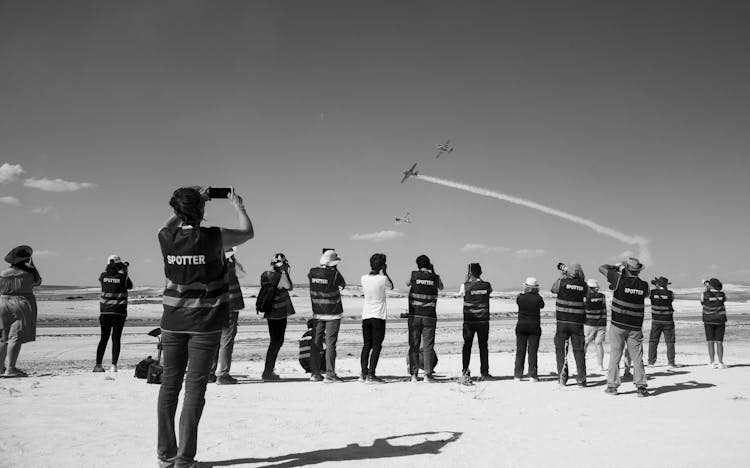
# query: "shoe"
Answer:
x=414 y=378
x=722 y=366
x=316 y=378
x=332 y=378
x=428 y=378
x=582 y=384
x=534 y=379
x=465 y=379
x=627 y=375
x=611 y=390
x=715 y=365
x=225 y=380
x=270 y=377
x=517 y=379
x=651 y=364
x=113 y=368
x=211 y=378
x=641 y=392
x=166 y=463
x=15 y=373
x=98 y=368
x=486 y=376
x=374 y=379
x=562 y=381
x=672 y=365
x=362 y=377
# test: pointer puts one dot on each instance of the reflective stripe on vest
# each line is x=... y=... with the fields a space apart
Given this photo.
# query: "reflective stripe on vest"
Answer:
x=324 y=294
x=236 y=301
x=114 y=297
x=661 y=306
x=569 y=306
x=596 y=310
x=628 y=303
x=423 y=293
x=477 y=301
x=714 y=310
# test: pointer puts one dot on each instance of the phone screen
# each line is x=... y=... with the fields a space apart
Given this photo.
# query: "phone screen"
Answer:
x=219 y=192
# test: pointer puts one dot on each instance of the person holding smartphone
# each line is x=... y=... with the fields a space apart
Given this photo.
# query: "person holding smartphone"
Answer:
x=196 y=309
x=113 y=309
x=277 y=317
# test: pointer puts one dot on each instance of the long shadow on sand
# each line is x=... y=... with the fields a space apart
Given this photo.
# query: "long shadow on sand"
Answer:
x=380 y=448
x=689 y=385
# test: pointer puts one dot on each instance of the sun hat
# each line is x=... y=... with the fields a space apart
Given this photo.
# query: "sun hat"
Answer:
x=634 y=265
x=531 y=282
x=592 y=283
x=114 y=258
x=715 y=284
x=330 y=258
x=19 y=254
x=660 y=281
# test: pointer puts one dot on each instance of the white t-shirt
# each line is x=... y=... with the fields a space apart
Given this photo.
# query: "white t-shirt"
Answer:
x=374 y=287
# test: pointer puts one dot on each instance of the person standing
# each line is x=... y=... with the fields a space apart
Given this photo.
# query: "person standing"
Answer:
x=662 y=320
x=628 y=306
x=113 y=309
x=595 y=326
x=528 y=328
x=476 y=321
x=18 y=311
x=714 y=320
x=423 y=285
x=196 y=309
x=277 y=317
x=570 y=312
x=222 y=362
x=326 y=284
x=374 y=313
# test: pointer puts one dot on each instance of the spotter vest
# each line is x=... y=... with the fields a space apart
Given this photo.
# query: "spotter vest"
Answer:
x=236 y=302
x=628 y=303
x=324 y=294
x=282 y=303
x=423 y=294
x=661 y=306
x=477 y=301
x=569 y=306
x=713 y=307
x=114 y=298
x=596 y=309
x=196 y=298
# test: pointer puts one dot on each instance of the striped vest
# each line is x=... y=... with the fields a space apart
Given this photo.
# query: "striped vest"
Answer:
x=596 y=309
x=196 y=298
x=236 y=301
x=628 y=303
x=661 y=306
x=324 y=294
x=713 y=307
x=114 y=298
x=569 y=306
x=282 y=303
x=423 y=294
x=477 y=301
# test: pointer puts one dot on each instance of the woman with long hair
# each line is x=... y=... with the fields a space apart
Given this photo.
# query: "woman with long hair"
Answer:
x=113 y=309
x=196 y=309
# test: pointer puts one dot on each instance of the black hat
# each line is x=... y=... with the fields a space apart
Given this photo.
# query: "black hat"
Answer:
x=19 y=254
x=660 y=281
x=715 y=284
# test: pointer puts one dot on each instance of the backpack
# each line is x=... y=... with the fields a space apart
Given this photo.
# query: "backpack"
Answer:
x=264 y=301
x=141 y=369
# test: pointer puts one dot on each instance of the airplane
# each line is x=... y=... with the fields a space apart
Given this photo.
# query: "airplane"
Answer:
x=444 y=148
x=409 y=172
x=404 y=219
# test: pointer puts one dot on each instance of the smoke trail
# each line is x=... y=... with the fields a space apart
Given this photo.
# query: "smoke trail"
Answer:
x=638 y=241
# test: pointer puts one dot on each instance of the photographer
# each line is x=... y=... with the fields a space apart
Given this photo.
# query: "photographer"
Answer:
x=282 y=308
x=476 y=294
x=374 y=313
x=714 y=320
x=423 y=285
x=662 y=321
x=196 y=309
x=570 y=312
x=113 y=308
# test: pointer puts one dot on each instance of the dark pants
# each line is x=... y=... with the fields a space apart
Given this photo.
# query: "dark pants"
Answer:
x=110 y=323
x=482 y=330
x=421 y=334
x=277 y=330
x=527 y=336
x=574 y=333
x=223 y=359
x=182 y=351
x=653 y=341
x=328 y=330
x=373 y=334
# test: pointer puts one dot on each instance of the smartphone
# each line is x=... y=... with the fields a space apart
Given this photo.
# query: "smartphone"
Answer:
x=219 y=192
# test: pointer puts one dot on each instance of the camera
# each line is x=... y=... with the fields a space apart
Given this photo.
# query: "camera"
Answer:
x=562 y=267
x=219 y=192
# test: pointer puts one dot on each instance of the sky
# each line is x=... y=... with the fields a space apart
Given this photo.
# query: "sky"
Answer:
x=635 y=115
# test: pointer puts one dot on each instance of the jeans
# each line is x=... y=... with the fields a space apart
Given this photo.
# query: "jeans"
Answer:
x=421 y=334
x=328 y=330
x=595 y=335
x=618 y=338
x=194 y=353
x=110 y=323
x=276 y=330
x=574 y=332
x=482 y=330
x=527 y=336
x=653 y=341
x=373 y=334
x=223 y=359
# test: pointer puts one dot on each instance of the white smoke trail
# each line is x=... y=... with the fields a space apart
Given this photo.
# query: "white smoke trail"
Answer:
x=638 y=241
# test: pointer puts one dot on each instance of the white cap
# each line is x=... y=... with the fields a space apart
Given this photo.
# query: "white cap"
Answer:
x=531 y=281
x=229 y=252
x=330 y=258
x=592 y=283
x=114 y=258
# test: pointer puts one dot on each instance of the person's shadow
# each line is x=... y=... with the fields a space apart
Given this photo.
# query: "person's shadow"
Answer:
x=689 y=385
x=380 y=448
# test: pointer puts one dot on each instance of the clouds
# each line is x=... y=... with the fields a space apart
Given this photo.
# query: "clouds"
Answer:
x=12 y=201
x=530 y=253
x=45 y=254
x=44 y=210
x=379 y=236
x=56 y=185
x=521 y=254
x=10 y=172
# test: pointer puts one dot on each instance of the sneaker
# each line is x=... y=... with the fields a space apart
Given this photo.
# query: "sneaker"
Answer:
x=211 y=378
x=316 y=378
x=332 y=378
x=465 y=379
x=722 y=365
x=611 y=390
x=270 y=377
x=672 y=365
x=16 y=373
x=715 y=365
x=362 y=377
x=582 y=384
x=641 y=392
x=374 y=379
x=562 y=381
x=533 y=379
x=98 y=368
x=225 y=380
x=428 y=378
x=414 y=378
x=518 y=379
x=650 y=364
x=486 y=376
x=113 y=368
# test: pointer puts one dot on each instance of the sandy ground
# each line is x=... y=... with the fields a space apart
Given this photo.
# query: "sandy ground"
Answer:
x=66 y=416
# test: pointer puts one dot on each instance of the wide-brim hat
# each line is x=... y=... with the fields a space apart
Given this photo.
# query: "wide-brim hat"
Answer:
x=19 y=254
x=660 y=281
x=634 y=265
x=531 y=282
x=330 y=258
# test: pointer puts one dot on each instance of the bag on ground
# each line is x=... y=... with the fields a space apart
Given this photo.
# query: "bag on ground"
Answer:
x=141 y=369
